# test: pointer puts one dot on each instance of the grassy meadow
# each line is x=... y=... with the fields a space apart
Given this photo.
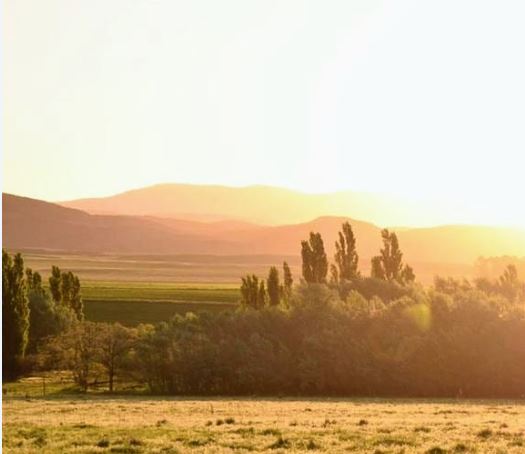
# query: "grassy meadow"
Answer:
x=98 y=423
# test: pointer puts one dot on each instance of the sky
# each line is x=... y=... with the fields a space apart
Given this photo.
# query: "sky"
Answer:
x=423 y=100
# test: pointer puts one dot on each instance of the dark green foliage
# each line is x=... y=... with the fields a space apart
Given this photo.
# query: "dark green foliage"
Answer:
x=253 y=292
x=378 y=271
x=387 y=291
x=389 y=264
x=15 y=314
x=133 y=313
x=66 y=291
x=76 y=297
x=55 y=284
x=346 y=257
x=287 y=282
x=262 y=295
x=315 y=263
x=250 y=291
x=30 y=315
x=274 y=290
x=46 y=317
x=322 y=345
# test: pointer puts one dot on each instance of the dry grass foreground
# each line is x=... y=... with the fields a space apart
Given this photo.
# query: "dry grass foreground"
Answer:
x=97 y=424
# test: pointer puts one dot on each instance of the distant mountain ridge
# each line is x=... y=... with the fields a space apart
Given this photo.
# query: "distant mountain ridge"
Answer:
x=258 y=204
x=30 y=223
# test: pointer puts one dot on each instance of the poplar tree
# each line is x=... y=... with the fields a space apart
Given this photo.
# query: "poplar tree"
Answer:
x=377 y=268
x=66 y=291
x=315 y=262
x=389 y=264
x=273 y=287
x=249 y=291
x=76 y=297
x=15 y=314
x=287 y=282
x=261 y=295
x=55 y=284
x=346 y=256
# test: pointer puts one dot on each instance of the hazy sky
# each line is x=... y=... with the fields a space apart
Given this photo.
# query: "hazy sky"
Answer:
x=419 y=98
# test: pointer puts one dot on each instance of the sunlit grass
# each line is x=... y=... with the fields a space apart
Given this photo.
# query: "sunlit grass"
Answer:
x=135 y=424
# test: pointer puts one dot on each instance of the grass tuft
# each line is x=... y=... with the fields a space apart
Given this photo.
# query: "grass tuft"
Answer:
x=484 y=434
x=280 y=443
x=103 y=443
x=436 y=450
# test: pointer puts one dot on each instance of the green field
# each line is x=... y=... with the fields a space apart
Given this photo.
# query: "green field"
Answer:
x=98 y=423
x=131 y=303
x=152 y=288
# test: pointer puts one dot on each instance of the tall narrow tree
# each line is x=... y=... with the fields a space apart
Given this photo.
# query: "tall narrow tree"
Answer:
x=391 y=256
x=307 y=256
x=389 y=265
x=15 y=314
x=250 y=291
x=261 y=295
x=273 y=285
x=55 y=281
x=287 y=282
x=76 y=298
x=315 y=262
x=346 y=256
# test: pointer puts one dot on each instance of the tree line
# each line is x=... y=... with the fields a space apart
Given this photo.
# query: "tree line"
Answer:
x=387 y=268
x=334 y=332
x=30 y=313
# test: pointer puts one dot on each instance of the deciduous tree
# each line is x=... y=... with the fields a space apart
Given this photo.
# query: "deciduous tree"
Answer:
x=315 y=262
x=287 y=282
x=346 y=257
x=115 y=343
x=15 y=314
x=273 y=284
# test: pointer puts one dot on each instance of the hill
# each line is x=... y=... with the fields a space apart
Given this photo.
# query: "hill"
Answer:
x=257 y=204
x=29 y=223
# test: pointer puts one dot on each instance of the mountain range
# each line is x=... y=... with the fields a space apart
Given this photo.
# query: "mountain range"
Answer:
x=152 y=221
x=260 y=205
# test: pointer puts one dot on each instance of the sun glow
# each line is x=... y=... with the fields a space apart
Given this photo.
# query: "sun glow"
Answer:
x=361 y=96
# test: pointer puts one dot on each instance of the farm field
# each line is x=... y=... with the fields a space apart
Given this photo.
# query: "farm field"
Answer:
x=131 y=303
x=137 y=424
x=156 y=268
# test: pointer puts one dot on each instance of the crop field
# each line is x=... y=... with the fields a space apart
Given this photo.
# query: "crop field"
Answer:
x=150 y=289
x=156 y=268
x=138 y=424
x=131 y=303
